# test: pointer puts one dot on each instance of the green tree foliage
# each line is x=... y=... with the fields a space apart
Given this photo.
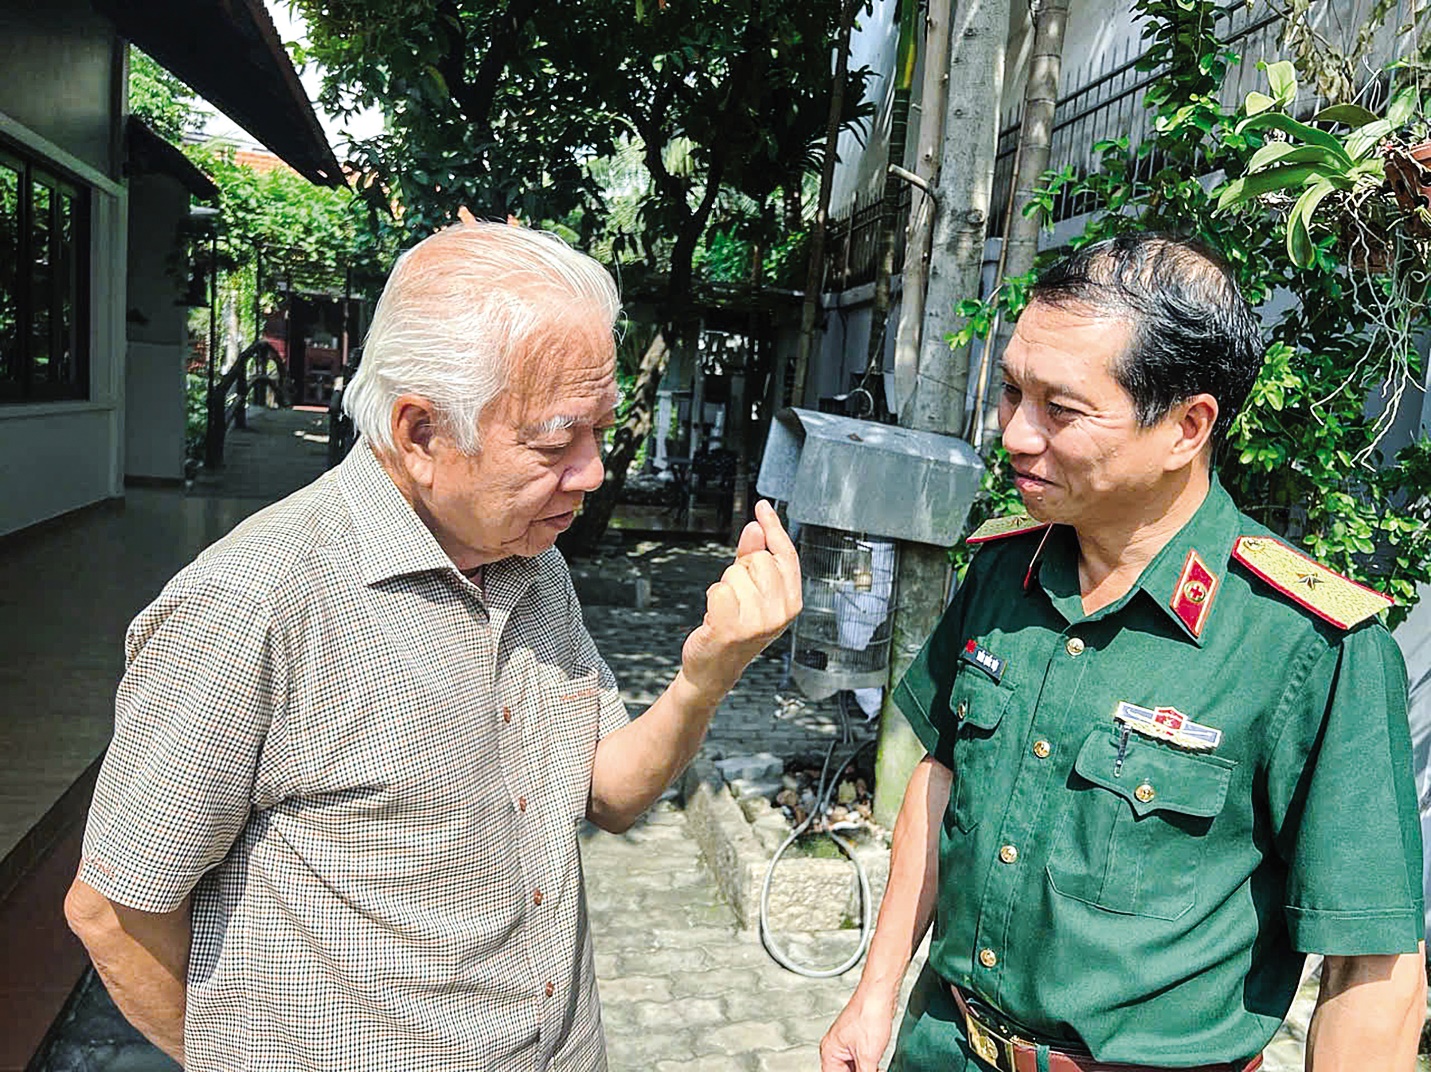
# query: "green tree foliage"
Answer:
x=1305 y=456
x=169 y=107
x=505 y=107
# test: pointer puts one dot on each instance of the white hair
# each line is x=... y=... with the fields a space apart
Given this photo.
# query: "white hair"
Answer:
x=457 y=309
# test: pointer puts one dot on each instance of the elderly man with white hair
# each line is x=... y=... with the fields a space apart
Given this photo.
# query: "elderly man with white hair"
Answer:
x=337 y=825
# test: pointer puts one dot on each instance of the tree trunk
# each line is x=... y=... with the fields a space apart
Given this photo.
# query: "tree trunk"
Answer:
x=966 y=178
x=921 y=224
x=815 y=273
x=889 y=203
x=1021 y=231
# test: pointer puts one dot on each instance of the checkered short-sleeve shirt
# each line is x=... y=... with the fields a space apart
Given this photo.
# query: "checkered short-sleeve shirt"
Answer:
x=369 y=774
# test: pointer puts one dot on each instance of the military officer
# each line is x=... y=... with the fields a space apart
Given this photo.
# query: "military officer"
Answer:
x=1168 y=753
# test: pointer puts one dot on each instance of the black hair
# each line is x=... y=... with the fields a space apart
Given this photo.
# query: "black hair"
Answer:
x=1193 y=332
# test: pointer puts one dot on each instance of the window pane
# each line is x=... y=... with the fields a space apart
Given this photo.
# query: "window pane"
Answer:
x=42 y=282
x=9 y=273
x=67 y=275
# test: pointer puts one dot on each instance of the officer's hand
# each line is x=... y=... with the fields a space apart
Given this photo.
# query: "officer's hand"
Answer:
x=752 y=603
x=857 y=1038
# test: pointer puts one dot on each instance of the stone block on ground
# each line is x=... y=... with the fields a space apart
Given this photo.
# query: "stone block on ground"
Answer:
x=761 y=789
x=754 y=768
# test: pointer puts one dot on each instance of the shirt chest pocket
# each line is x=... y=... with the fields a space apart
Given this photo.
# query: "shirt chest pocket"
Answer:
x=1132 y=836
x=978 y=705
x=559 y=738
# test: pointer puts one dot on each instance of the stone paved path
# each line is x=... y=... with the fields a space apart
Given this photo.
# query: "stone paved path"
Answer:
x=682 y=989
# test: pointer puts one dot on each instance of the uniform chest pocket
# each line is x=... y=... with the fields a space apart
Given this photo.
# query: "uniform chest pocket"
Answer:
x=1132 y=837
x=978 y=705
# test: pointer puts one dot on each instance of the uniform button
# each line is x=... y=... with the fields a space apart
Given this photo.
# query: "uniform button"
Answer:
x=1042 y=749
x=988 y=958
x=506 y=714
x=550 y=989
x=1144 y=793
x=962 y=711
x=537 y=897
x=1008 y=854
x=1074 y=645
x=521 y=803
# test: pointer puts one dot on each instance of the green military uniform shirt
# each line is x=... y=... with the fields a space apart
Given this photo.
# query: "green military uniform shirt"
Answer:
x=1150 y=900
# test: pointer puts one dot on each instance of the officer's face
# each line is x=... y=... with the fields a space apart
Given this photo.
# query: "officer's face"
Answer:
x=1079 y=455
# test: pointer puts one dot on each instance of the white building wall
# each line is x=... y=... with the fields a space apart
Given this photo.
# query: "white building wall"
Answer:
x=158 y=331
x=59 y=456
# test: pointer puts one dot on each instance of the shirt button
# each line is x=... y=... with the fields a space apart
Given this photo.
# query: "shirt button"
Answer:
x=988 y=958
x=962 y=711
x=1008 y=854
x=1074 y=645
x=1144 y=793
x=521 y=803
x=1042 y=749
x=550 y=988
x=537 y=897
x=506 y=714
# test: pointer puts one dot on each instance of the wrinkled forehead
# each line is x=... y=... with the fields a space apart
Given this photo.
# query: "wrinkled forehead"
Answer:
x=566 y=367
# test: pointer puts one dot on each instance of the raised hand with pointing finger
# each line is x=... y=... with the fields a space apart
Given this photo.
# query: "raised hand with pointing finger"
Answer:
x=756 y=597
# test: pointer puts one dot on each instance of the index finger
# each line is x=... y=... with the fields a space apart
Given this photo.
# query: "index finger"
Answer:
x=777 y=540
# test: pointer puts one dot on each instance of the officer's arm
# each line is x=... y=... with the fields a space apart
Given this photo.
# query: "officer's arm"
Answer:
x=859 y=1036
x=1369 y=1013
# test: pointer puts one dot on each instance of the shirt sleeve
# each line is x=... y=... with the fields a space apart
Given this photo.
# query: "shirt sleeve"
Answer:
x=1344 y=803
x=205 y=680
x=922 y=694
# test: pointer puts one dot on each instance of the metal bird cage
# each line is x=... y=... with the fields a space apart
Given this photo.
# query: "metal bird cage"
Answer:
x=841 y=638
x=857 y=488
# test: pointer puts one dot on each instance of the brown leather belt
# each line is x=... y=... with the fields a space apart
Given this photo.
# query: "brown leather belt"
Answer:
x=1005 y=1051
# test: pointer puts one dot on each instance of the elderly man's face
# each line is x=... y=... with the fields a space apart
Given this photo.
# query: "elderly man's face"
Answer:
x=540 y=451
x=1078 y=453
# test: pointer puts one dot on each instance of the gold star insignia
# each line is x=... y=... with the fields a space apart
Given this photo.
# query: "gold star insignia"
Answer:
x=1311 y=580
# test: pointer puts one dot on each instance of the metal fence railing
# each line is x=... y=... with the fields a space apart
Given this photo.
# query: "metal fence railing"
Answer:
x=1107 y=103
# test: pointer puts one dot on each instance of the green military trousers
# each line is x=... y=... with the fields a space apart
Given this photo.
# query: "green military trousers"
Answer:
x=932 y=1036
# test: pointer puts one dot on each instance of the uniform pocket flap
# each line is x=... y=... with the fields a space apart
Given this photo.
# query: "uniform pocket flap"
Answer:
x=1154 y=776
x=977 y=701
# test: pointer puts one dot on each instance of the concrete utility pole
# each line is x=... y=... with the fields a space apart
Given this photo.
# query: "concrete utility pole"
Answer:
x=1020 y=244
x=979 y=37
x=921 y=220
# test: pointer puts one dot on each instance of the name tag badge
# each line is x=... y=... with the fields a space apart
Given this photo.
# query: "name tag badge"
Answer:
x=1167 y=724
x=983 y=659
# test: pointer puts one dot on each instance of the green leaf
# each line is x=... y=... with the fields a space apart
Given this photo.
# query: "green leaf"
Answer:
x=1286 y=177
x=1362 y=141
x=1257 y=103
x=1300 y=246
x=1353 y=115
x=1293 y=129
x=1286 y=152
x=1402 y=107
x=1282 y=77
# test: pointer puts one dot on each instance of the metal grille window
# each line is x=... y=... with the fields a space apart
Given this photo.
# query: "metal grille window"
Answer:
x=44 y=280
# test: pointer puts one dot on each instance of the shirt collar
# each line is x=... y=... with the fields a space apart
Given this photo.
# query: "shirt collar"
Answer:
x=1183 y=578
x=393 y=541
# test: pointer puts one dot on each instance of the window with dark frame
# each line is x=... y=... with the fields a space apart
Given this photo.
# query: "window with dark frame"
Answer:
x=44 y=283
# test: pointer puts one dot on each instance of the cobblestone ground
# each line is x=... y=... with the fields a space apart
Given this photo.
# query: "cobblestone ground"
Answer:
x=681 y=987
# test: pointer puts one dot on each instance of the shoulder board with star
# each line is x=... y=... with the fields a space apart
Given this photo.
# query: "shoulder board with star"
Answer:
x=997 y=528
x=1325 y=593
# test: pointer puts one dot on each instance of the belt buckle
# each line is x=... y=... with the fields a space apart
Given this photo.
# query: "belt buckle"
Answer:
x=991 y=1048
